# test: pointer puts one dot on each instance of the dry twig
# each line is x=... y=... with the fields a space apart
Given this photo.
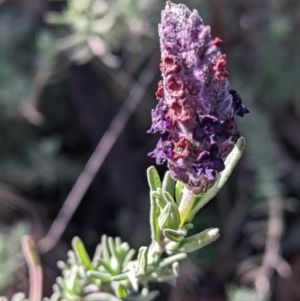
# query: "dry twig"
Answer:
x=34 y=267
x=272 y=259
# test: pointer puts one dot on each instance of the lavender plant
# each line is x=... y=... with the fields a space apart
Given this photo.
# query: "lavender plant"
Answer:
x=200 y=142
x=97 y=27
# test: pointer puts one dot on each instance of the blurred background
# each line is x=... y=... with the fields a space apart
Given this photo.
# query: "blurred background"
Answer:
x=67 y=68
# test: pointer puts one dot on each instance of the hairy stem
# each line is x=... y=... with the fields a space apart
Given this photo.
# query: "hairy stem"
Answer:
x=186 y=205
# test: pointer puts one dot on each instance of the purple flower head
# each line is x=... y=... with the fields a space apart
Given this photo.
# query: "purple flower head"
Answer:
x=196 y=109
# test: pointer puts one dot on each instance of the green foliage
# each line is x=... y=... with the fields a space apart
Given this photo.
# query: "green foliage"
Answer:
x=99 y=26
x=27 y=162
x=112 y=274
x=11 y=258
x=111 y=270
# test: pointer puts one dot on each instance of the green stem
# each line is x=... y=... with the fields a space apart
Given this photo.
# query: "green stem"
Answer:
x=186 y=205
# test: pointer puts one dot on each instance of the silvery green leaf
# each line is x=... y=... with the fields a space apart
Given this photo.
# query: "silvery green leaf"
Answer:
x=101 y=296
x=164 y=218
x=168 y=197
x=114 y=258
x=142 y=261
x=195 y=242
x=154 y=214
x=153 y=178
x=175 y=211
x=120 y=277
x=132 y=278
x=105 y=277
x=69 y=283
x=171 y=259
x=160 y=201
x=107 y=266
x=174 y=235
x=105 y=251
x=82 y=272
x=97 y=255
x=123 y=250
x=178 y=192
x=128 y=257
x=70 y=296
x=118 y=243
x=231 y=161
x=168 y=184
x=156 y=193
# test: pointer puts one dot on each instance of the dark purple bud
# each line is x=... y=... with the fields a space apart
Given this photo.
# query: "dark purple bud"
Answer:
x=239 y=109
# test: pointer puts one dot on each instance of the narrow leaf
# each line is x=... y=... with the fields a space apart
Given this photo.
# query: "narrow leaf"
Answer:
x=107 y=266
x=69 y=282
x=153 y=178
x=231 y=161
x=128 y=257
x=198 y=241
x=168 y=184
x=171 y=259
x=118 y=243
x=163 y=219
x=168 y=197
x=112 y=248
x=160 y=201
x=105 y=277
x=97 y=255
x=154 y=214
x=133 y=280
x=175 y=212
x=174 y=235
x=142 y=261
x=120 y=277
x=81 y=253
x=101 y=297
x=105 y=251
x=178 y=192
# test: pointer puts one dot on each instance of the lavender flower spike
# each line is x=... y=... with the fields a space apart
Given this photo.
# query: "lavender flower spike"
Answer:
x=196 y=109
